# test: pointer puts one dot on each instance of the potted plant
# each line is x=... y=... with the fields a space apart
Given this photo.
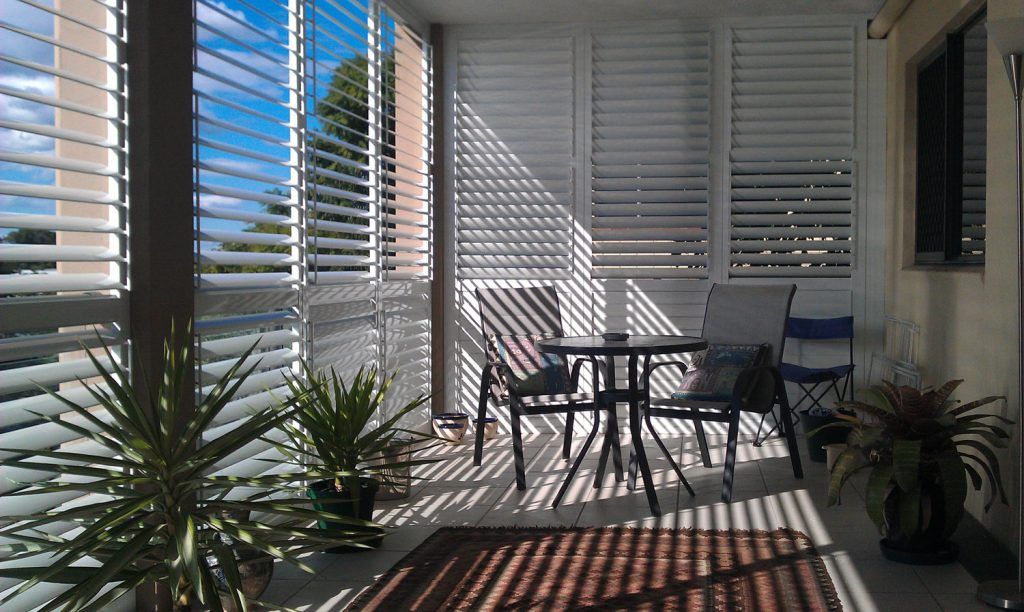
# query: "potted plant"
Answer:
x=818 y=436
x=162 y=515
x=342 y=428
x=921 y=450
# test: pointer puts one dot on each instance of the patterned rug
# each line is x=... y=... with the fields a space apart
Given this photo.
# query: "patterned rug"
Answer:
x=606 y=569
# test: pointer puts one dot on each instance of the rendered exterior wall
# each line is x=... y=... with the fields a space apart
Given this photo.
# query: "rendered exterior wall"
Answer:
x=968 y=314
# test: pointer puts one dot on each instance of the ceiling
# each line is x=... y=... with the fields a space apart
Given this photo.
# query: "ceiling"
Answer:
x=562 y=11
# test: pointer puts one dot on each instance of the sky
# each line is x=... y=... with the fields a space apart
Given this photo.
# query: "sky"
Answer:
x=242 y=41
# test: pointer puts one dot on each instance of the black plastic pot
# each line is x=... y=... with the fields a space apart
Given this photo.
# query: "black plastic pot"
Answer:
x=927 y=543
x=329 y=499
x=816 y=441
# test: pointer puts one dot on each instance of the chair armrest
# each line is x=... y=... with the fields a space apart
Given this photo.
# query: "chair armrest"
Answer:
x=654 y=366
x=577 y=366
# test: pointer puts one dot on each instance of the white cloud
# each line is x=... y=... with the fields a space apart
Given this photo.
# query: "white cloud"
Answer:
x=24 y=142
x=28 y=81
x=218 y=19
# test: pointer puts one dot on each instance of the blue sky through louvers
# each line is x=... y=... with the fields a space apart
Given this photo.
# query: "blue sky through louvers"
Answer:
x=241 y=83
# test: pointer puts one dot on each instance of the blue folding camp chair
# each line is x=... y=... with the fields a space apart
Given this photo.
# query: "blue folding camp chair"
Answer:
x=810 y=379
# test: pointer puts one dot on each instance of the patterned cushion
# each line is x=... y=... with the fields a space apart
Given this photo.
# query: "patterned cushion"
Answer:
x=533 y=372
x=714 y=372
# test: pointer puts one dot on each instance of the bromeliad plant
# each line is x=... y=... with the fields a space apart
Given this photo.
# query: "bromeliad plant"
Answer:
x=160 y=512
x=343 y=428
x=920 y=449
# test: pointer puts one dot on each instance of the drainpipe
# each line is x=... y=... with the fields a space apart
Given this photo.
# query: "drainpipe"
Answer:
x=888 y=15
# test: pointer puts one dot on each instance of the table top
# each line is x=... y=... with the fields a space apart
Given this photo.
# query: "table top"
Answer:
x=634 y=345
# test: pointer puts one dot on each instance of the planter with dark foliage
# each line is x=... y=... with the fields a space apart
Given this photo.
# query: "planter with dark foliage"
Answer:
x=922 y=449
x=329 y=499
x=345 y=427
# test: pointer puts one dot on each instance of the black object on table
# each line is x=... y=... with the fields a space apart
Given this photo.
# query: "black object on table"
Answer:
x=637 y=393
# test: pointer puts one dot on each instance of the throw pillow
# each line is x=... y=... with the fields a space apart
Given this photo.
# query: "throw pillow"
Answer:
x=533 y=372
x=714 y=372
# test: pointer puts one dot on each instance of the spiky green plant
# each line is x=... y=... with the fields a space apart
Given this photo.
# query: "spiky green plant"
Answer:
x=163 y=515
x=918 y=444
x=334 y=429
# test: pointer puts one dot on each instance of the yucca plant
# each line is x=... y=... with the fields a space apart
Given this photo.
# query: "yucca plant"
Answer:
x=161 y=515
x=342 y=428
x=920 y=448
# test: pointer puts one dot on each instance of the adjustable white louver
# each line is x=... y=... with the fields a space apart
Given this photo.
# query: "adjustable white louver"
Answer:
x=791 y=151
x=650 y=138
x=514 y=157
x=63 y=244
x=248 y=213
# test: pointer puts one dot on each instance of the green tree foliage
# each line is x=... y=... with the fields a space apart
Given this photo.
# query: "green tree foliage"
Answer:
x=336 y=146
x=28 y=236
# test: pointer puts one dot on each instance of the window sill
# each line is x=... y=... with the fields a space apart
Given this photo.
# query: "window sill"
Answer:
x=969 y=267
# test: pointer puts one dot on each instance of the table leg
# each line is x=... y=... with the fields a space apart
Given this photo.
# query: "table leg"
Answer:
x=611 y=432
x=635 y=430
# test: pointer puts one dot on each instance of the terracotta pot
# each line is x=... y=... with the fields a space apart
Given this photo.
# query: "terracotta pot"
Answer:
x=255 y=568
x=490 y=425
x=451 y=426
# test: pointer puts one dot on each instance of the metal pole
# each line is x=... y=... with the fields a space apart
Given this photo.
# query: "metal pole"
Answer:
x=1009 y=594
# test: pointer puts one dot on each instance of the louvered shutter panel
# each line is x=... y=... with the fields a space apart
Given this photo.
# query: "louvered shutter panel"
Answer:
x=407 y=221
x=975 y=124
x=248 y=212
x=62 y=239
x=344 y=143
x=514 y=158
x=650 y=154
x=791 y=151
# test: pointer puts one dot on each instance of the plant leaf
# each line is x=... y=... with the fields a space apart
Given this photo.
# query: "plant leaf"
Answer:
x=906 y=463
x=875 y=493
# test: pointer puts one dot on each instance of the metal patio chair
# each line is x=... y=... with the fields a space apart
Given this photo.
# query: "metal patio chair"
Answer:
x=736 y=315
x=530 y=311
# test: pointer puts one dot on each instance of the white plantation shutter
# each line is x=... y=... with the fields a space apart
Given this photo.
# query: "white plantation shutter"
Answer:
x=514 y=157
x=407 y=191
x=650 y=151
x=63 y=206
x=791 y=151
x=248 y=212
x=343 y=178
x=343 y=140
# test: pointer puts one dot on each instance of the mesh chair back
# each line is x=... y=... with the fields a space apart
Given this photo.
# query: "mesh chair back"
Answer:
x=835 y=328
x=749 y=314
x=525 y=310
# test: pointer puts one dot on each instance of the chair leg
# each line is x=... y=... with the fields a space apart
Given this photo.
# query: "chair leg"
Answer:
x=481 y=413
x=790 y=431
x=570 y=418
x=668 y=455
x=576 y=464
x=517 y=450
x=730 y=455
x=702 y=442
x=633 y=465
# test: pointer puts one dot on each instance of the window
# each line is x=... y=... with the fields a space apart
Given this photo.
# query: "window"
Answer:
x=950 y=204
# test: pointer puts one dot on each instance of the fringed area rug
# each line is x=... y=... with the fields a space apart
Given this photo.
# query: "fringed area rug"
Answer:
x=606 y=569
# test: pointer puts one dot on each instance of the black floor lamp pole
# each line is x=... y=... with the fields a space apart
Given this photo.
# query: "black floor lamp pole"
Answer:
x=1008 y=37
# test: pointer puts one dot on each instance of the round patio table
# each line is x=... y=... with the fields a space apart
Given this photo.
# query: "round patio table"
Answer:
x=632 y=348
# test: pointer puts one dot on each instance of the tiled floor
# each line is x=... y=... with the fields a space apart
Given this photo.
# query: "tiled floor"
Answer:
x=766 y=496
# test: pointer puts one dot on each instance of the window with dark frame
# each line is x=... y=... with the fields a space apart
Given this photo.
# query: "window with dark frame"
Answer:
x=951 y=123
